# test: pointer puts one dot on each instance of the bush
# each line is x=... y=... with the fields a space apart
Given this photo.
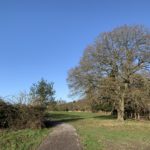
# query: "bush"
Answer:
x=20 y=116
x=30 y=117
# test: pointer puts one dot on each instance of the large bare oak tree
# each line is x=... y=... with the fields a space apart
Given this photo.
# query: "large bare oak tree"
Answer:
x=109 y=65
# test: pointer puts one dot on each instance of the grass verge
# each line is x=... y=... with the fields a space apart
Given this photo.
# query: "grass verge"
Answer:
x=27 y=139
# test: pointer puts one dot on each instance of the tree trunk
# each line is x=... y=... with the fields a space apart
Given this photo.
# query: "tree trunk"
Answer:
x=121 y=104
x=135 y=116
x=138 y=116
x=131 y=115
x=120 y=111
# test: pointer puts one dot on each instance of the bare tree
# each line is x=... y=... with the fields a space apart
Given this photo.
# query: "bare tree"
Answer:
x=110 y=63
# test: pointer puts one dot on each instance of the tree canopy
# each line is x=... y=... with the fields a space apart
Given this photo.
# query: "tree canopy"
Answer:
x=42 y=92
x=108 y=67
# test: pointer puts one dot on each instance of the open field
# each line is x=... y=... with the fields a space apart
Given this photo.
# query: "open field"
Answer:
x=96 y=131
x=104 y=132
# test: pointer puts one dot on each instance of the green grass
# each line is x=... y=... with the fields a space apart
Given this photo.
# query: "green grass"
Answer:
x=98 y=132
x=26 y=139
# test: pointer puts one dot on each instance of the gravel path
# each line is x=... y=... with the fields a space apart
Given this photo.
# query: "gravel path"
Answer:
x=63 y=137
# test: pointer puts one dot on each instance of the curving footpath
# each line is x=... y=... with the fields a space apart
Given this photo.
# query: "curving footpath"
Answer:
x=63 y=137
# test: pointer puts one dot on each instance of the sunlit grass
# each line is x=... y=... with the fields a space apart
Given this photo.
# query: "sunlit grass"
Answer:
x=98 y=131
x=27 y=139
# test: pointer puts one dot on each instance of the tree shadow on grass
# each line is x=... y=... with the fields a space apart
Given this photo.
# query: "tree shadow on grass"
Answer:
x=105 y=117
x=52 y=120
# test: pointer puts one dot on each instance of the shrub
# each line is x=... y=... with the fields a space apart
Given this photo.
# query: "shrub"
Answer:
x=20 y=116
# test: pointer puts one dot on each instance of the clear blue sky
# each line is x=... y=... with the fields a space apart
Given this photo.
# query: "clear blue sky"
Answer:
x=45 y=38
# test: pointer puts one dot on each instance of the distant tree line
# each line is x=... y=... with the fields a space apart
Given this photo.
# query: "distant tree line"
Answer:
x=79 y=105
x=114 y=72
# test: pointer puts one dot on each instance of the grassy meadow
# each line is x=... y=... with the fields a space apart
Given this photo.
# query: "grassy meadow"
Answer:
x=103 y=132
x=96 y=132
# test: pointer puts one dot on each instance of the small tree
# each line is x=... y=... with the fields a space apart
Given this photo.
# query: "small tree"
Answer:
x=42 y=93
